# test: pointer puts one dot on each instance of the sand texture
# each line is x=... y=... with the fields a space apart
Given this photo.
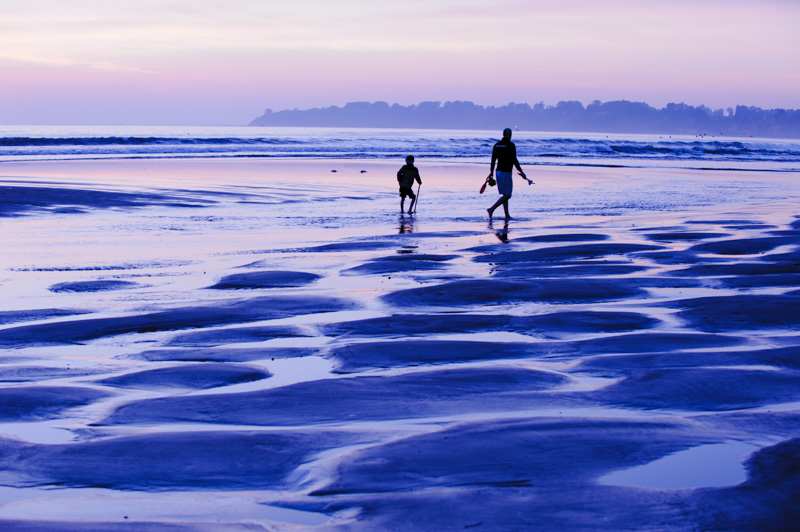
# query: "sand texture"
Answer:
x=218 y=347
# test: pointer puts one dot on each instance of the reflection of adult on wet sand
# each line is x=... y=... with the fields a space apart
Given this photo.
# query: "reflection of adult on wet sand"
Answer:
x=504 y=153
x=501 y=234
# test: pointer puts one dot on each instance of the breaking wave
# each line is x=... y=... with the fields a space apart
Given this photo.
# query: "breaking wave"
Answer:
x=52 y=143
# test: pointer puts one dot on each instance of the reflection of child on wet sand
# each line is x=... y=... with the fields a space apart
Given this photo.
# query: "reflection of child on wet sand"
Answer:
x=405 y=178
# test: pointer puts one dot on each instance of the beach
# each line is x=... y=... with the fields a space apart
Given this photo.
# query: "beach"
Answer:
x=268 y=344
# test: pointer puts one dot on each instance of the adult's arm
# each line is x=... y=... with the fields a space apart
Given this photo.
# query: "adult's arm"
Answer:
x=516 y=163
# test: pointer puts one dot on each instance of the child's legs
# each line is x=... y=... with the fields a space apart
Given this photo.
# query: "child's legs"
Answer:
x=406 y=192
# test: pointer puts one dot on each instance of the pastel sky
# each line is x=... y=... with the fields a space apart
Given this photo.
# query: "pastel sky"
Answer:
x=225 y=61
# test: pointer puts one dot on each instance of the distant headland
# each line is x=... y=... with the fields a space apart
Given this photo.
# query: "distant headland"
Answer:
x=567 y=116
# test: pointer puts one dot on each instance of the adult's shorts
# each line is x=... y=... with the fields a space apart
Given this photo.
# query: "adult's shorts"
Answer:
x=505 y=183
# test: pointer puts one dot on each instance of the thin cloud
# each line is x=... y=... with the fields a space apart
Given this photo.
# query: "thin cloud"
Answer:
x=60 y=61
x=318 y=52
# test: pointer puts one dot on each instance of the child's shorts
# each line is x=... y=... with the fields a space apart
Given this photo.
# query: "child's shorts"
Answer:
x=406 y=191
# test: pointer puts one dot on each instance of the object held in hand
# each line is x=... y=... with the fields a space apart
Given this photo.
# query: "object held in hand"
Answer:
x=489 y=181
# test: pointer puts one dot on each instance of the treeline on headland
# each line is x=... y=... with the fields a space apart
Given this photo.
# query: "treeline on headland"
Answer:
x=570 y=116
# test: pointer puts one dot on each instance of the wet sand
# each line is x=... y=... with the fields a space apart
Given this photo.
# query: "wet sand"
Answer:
x=270 y=345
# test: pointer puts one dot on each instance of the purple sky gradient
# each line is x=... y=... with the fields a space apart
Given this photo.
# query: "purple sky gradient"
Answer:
x=224 y=62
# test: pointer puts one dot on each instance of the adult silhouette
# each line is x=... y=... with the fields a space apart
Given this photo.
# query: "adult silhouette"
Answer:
x=504 y=154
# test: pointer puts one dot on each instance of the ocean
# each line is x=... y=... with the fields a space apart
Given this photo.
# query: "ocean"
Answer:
x=36 y=143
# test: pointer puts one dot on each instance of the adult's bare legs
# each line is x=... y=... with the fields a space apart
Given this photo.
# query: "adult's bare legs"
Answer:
x=502 y=201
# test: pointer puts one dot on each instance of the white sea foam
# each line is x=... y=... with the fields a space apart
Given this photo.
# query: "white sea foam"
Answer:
x=88 y=142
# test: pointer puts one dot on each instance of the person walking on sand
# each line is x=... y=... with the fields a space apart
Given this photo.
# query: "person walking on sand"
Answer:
x=405 y=178
x=504 y=153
